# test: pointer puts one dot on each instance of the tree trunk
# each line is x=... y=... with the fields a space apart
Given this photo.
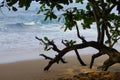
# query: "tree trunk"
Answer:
x=114 y=57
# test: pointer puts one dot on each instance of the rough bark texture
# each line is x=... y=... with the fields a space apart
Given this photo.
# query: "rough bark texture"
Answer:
x=114 y=55
x=54 y=47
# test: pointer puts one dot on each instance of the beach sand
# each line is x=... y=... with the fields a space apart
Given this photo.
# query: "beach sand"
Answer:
x=33 y=69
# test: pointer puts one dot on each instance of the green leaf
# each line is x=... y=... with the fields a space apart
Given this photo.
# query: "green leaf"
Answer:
x=46 y=39
x=54 y=16
x=46 y=17
x=77 y=1
x=71 y=1
x=14 y=8
x=12 y=2
x=45 y=48
x=73 y=42
x=27 y=4
x=59 y=7
x=107 y=41
x=88 y=7
x=59 y=19
x=48 y=49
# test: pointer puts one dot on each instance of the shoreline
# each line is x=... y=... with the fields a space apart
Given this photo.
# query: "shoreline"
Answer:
x=23 y=54
x=33 y=69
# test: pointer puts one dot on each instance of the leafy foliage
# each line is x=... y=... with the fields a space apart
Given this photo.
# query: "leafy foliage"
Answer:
x=99 y=12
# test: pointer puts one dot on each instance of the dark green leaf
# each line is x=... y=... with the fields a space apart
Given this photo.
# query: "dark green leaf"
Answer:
x=14 y=8
x=46 y=39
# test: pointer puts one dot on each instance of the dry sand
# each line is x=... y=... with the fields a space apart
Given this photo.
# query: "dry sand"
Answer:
x=33 y=69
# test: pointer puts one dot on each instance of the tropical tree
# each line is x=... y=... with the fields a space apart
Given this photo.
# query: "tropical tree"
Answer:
x=104 y=13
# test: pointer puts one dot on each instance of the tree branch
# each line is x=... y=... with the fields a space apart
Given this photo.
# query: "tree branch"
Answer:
x=49 y=58
x=111 y=8
x=54 y=48
x=78 y=34
x=46 y=57
x=97 y=23
x=49 y=43
x=114 y=42
x=73 y=47
x=95 y=7
x=97 y=17
x=109 y=37
x=68 y=44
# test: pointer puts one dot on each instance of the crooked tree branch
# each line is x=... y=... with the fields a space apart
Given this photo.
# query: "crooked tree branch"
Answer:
x=115 y=42
x=102 y=48
x=70 y=48
x=96 y=16
x=78 y=34
x=41 y=40
x=49 y=58
x=49 y=43
x=54 y=48
x=77 y=53
x=46 y=57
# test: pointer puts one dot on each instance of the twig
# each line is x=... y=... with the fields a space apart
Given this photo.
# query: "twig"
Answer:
x=46 y=57
x=54 y=47
x=78 y=34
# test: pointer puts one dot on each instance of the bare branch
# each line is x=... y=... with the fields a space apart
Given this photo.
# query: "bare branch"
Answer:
x=78 y=34
x=111 y=8
x=108 y=36
x=96 y=16
x=41 y=40
x=73 y=47
x=54 y=47
x=115 y=42
x=68 y=44
x=46 y=57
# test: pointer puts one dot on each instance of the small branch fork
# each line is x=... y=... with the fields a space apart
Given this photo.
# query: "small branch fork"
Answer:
x=68 y=44
x=54 y=47
x=78 y=34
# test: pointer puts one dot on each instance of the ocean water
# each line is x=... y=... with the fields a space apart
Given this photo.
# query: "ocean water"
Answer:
x=18 y=31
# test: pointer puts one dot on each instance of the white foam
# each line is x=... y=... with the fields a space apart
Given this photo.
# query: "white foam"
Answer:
x=29 y=23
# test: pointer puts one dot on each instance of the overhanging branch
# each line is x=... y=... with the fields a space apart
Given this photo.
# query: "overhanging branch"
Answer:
x=93 y=44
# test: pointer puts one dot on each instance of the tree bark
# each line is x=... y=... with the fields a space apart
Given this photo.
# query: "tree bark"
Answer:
x=114 y=56
x=79 y=58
